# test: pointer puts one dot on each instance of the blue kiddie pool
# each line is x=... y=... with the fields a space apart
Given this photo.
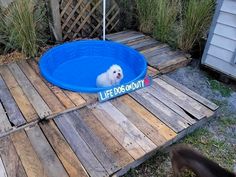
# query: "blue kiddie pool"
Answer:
x=75 y=65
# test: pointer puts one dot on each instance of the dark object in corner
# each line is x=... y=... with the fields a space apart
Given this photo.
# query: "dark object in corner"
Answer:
x=185 y=157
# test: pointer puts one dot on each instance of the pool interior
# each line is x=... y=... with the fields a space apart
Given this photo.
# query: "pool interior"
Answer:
x=77 y=66
x=76 y=74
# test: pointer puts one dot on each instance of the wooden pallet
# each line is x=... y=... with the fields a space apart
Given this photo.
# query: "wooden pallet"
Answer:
x=26 y=97
x=158 y=55
x=101 y=139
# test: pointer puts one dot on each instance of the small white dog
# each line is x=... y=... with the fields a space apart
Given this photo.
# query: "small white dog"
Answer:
x=111 y=77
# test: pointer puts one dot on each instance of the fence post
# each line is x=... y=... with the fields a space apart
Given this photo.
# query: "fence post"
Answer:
x=56 y=19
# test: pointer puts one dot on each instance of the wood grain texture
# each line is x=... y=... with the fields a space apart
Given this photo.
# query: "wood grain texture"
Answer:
x=140 y=123
x=2 y=169
x=22 y=101
x=121 y=35
x=180 y=102
x=28 y=156
x=35 y=99
x=121 y=156
x=11 y=160
x=64 y=152
x=76 y=98
x=85 y=155
x=47 y=95
x=164 y=130
x=183 y=100
x=133 y=148
x=47 y=156
x=13 y=112
x=57 y=91
x=94 y=143
x=189 y=92
x=166 y=115
x=5 y=125
x=146 y=144
x=169 y=103
x=89 y=98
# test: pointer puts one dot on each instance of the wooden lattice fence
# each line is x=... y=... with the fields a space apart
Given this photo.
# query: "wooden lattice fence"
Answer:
x=82 y=18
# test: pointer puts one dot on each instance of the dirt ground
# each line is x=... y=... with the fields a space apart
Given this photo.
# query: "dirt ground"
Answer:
x=217 y=139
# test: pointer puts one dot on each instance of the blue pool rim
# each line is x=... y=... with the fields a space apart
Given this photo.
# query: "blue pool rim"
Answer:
x=52 y=80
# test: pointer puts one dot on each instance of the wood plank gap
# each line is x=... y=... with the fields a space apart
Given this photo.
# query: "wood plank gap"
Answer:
x=45 y=152
x=17 y=93
x=82 y=151
x=35 y=99
x=64 y=152
x=13 y=112
x=94 y=143
x=146 y=144
x=189 y=92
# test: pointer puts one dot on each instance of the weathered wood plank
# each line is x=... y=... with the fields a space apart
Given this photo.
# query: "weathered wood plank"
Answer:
x=90 y=98
x=47 y=156
x=187 y=103
x=169 y=103
x=133 y=148
x=85 y=155
x=152 y=51
x=166 y=115
x=140 y=123
x=22 y=101
x=109 y=36
x=189 y=92
x=175 y=61
x=2 y=169
x=146 y=144
x=48 y=96
x=64 y=152
x=28 y=156
x=180 y=102
x=122 y=35
x=152 y=71
x=57 y=91
x=5 y=125
x=11 y=160
x=94 y=143
x=35 y=99
x=131 y=38
x=118 y=152
x=13 y=112
x=149 y=117
x=76 y=98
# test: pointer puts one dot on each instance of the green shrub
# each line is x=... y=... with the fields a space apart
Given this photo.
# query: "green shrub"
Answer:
x=146 y=10
x=22 y=26
x=166 y=12
x=194 y=22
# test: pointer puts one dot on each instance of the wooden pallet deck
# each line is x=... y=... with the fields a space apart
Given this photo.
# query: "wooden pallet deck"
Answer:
x=84 y=139
x=26 y=97
x=158 y=55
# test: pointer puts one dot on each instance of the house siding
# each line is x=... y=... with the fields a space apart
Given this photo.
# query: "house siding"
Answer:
x=220 y=51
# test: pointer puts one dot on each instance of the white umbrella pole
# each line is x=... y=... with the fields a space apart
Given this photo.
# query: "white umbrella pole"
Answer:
x=104 y=20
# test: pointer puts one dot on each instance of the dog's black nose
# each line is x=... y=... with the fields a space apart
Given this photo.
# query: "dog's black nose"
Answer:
x=119 y=74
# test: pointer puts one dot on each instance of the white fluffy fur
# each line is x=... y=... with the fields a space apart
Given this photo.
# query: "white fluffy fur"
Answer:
x=111 y=77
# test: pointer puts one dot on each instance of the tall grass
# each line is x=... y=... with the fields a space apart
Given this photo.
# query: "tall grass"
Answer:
x=23 y=20
x=166 y=12
x=195 y=21
x=146 y=14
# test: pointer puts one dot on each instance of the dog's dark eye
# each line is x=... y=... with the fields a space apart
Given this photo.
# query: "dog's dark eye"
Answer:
x=114 y=72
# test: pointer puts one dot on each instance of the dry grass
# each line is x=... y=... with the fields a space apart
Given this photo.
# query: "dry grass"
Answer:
x=194 y=22
x=22 y=25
